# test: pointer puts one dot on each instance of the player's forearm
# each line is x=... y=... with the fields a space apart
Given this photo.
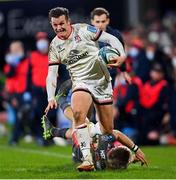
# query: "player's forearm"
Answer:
x=51 y=82
x=122 y=138
x=114 y=42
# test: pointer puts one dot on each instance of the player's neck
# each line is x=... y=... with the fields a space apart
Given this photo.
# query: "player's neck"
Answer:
x=69 y=31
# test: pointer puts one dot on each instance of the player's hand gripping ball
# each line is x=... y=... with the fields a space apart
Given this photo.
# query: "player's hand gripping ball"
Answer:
x=107 y=53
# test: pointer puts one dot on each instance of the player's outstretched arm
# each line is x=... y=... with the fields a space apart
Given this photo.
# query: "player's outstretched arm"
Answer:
x=139 y=155
x=122 y=138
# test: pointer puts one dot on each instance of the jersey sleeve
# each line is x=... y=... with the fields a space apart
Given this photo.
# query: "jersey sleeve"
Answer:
x=113 y=41
x=116 y=33
x=51 y=80
x=53 y=58
x=91 y=32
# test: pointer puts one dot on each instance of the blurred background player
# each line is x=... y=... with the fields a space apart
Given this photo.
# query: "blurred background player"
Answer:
x=154 y=105
x=100 y=18
x=39 y=70
x=127 y=106
x=16 y=71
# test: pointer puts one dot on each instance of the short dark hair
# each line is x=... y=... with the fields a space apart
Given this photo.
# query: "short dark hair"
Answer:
x=118 y=158
x=98 y=12
x=59 y=11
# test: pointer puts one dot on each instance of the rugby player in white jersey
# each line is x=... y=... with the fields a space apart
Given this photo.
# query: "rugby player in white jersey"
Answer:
x=76 y=46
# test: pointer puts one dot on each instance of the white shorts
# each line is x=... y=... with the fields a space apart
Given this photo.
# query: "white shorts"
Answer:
x=100 y=90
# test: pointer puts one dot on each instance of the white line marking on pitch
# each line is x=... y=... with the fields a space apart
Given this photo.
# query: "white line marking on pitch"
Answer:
x=32 y=151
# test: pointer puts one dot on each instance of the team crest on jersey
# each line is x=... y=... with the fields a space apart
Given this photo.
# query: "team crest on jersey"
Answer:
x=77 y=38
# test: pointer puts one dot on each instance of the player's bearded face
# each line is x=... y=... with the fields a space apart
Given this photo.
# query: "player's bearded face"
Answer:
x=61 y=26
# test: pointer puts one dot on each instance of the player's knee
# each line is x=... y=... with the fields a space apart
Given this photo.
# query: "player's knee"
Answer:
x=78 y=116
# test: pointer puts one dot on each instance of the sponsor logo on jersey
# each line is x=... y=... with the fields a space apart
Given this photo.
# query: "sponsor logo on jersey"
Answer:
x=75 y=56
x=92 y=29
x=60 y=48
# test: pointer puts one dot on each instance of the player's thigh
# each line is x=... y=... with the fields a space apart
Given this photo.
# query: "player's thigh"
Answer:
x=80 y=103
x=105 y=117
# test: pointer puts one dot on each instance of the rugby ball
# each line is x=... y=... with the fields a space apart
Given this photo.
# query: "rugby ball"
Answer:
x=106 y=53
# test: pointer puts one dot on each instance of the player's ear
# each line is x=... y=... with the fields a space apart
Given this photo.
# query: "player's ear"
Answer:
x=69 y=21
x=108 y=21
x=92 y=21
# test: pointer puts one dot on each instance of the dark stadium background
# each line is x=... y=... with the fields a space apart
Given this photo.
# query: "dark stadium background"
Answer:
x=21 y=19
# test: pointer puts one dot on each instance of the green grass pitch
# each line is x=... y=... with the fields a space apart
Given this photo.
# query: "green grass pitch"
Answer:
x=29 y=161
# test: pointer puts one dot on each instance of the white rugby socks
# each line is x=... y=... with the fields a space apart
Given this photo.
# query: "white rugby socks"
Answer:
x=83 y=138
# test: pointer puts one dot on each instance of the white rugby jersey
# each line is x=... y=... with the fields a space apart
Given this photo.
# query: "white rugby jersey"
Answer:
x=80 y=54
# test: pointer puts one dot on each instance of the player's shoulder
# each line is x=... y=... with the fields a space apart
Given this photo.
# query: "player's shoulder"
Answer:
x=116 y=33
x=55 y=42
x=113 y=31
x=85 y=27
x=79 y=25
